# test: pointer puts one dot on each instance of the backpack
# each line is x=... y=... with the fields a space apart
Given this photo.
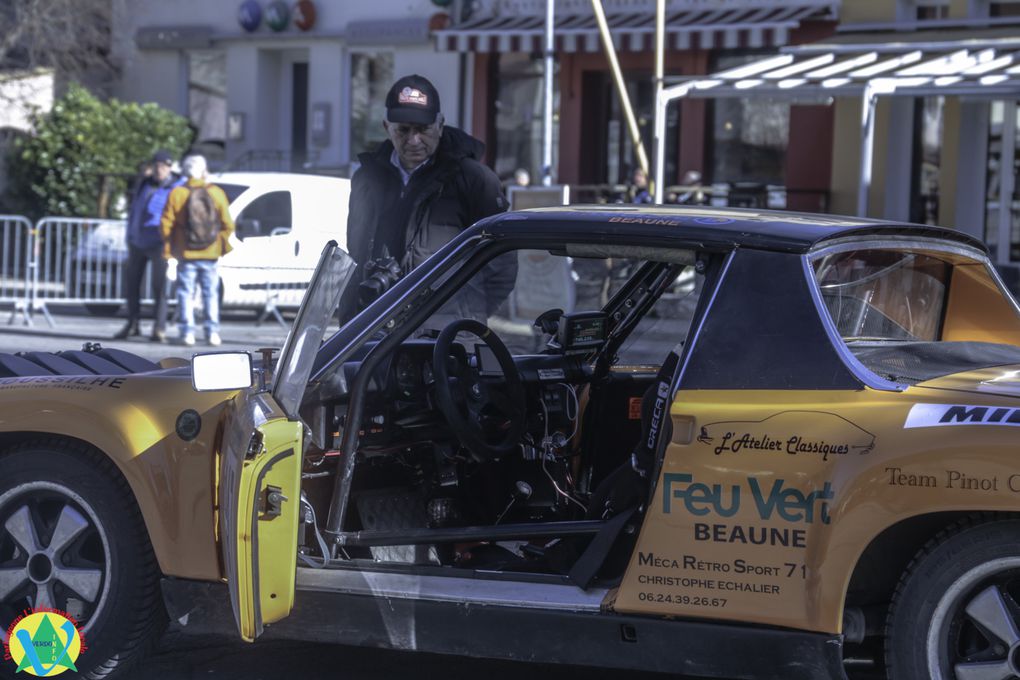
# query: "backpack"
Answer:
x=203 y=220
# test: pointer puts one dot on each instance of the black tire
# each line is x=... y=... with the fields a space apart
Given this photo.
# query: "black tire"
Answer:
x=101 y=308
x=956 y=610
x=46 y=483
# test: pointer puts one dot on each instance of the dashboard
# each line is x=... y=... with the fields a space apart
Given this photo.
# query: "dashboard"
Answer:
x=400 y=394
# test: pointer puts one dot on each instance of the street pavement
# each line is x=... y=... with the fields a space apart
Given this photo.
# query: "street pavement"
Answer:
x=191 y=658
x=73 y=326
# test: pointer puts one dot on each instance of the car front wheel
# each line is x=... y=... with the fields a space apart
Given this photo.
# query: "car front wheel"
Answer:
x=956 y=613
x=72 y=539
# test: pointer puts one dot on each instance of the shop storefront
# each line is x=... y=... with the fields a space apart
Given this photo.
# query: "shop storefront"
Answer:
x=924 y=130
x=738 y=141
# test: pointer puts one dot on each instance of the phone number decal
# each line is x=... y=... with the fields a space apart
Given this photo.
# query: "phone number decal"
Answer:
x=684 y=599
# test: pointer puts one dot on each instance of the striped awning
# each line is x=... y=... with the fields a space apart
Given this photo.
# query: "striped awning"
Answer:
x=964 y=67
x=635 y=31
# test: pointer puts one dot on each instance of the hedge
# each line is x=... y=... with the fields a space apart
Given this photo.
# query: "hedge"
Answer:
x=85 y=151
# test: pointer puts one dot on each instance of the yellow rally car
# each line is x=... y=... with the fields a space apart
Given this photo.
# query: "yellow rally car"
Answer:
x=735 y=444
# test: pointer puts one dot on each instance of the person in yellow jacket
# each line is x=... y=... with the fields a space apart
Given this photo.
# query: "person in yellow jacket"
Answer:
x=196 y=227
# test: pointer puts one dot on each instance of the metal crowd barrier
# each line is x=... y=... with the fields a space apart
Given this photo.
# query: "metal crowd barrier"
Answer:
x=81 y=261
x=15 y=273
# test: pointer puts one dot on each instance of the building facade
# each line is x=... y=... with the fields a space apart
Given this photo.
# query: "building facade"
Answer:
x=275 y=85
x=503 y=41
x=945 y=152
x=308 y=93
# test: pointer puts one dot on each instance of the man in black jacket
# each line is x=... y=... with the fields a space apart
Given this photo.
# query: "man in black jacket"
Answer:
x=422 y=187
x=145 y=245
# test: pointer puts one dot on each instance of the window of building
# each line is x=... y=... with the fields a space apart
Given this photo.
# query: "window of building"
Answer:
x=519 y=111
x=608 y=154
x=926 y=12
x=371 y=77
x=621 y=157
x=922 y=10
x=1004 y=8
x=207 y=102
x=927 y=161
x=749 y=136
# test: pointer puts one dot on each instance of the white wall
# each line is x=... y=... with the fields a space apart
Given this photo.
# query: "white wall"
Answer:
x=259 y=65
x=21 y=94
x=326 y=85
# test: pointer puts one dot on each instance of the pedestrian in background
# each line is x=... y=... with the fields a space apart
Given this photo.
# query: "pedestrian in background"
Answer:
x=420 y=188
x=638 y=192
x=196 y=231
x=145 y=244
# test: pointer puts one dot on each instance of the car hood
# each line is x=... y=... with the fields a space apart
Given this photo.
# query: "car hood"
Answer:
x=996 y=380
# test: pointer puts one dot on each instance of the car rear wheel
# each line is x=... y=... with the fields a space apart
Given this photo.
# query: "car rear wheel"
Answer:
x=72 y=539
x=956 y=613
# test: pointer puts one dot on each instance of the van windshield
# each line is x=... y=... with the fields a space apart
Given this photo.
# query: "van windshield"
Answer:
x=232 y=190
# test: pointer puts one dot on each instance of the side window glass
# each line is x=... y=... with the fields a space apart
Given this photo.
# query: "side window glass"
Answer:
x=265 y=214
x=512 y=290
x=666 y=325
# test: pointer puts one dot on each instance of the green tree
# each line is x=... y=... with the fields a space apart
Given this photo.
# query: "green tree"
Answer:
x=85 y=151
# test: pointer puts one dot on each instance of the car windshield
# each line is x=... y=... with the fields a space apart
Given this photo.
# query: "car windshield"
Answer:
x=332 y=276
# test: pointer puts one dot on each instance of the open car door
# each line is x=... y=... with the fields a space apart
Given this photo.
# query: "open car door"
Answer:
x=260 y=466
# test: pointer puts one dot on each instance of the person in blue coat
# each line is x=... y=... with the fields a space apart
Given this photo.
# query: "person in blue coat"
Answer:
x=145 y=245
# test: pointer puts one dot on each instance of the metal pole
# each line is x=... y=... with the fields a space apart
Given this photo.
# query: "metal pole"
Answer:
x=1007 y=182
x=660 y=112
x=621 y=88
x=547 y=118
x=868 y=99
x=662 y=101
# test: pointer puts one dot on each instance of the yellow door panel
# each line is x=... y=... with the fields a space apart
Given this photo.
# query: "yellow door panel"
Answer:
x=767 y=499
x=267 y=525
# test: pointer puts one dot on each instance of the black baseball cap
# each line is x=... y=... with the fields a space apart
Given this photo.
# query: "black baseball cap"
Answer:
x=412 y=99
x=163 y=156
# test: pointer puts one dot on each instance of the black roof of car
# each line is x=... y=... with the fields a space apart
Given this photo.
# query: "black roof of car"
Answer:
x=708 y=227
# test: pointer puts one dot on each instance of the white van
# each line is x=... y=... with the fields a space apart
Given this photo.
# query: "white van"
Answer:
x=283 y=221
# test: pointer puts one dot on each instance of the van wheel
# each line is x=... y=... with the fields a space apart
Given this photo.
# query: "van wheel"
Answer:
x=72 y=539
x=101 y=309
x=956 y=611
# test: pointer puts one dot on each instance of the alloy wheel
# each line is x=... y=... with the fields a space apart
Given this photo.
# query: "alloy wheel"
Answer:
x=975 y=632
x=53 y=554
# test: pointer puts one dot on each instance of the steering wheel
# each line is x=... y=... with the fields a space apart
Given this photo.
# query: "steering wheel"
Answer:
x=486 y=412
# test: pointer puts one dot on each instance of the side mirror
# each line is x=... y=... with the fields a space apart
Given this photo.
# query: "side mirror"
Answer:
x=221 y=371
